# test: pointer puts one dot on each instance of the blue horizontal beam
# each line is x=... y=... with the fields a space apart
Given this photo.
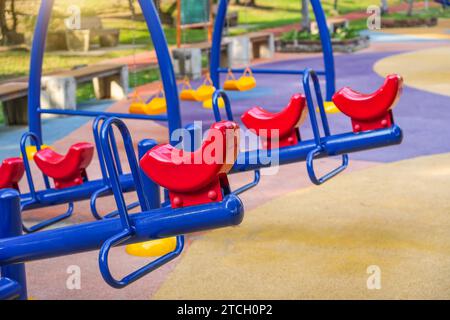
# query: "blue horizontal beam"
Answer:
x=268 y=71
x=154 y=224
x=9 y=289
x=82 y=192
x=333 y=145
x=83 y=113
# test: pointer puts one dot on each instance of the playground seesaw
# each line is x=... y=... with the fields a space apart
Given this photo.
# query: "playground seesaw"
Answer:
x=202 y=201
x=372 y=123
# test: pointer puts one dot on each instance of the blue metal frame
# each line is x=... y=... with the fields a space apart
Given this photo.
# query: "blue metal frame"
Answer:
x=162 y=51
x=307 y=150
x=16 y=249
x=325 y=38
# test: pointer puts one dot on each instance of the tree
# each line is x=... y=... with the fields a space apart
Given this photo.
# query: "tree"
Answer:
x=410 y=7
x=8 y=32
x=306 y=22
x=384 y=7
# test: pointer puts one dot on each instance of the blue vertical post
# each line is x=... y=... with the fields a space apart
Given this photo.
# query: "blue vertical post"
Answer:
x=165 y=65
x=327 y=48
x=217 y=42
x=151 y=189
x=36 y=61
x=11 y=226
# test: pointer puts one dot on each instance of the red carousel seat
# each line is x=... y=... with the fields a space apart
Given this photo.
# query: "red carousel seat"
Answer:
x=370 y=111
x=283 y=124
x=11 y=171
x=69 y=170
x=198 y=177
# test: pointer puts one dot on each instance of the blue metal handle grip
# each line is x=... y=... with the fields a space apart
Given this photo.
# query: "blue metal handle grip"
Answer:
x=215 y=102
x=93 y=205
x=136 y=275
x=128 y=231
x=250 y=185
x=328 y=176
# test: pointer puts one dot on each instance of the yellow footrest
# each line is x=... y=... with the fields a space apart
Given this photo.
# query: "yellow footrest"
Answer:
x=154 y=248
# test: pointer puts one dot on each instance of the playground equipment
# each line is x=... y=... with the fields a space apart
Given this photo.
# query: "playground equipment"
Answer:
x=372 y=119
x=83 y=189
x=246 y=82
x=328 y=58
x=11 y=172
x=152 y=222
x=154 y=106
x=202 y=93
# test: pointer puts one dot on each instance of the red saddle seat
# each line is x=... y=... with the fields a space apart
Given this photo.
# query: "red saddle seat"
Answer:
x=198 y=177
x=370 y=111
x=283 y=124
x=11 y=172
x=69 y=170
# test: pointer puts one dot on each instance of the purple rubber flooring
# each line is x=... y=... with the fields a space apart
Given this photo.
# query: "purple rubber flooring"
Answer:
x=423 y=116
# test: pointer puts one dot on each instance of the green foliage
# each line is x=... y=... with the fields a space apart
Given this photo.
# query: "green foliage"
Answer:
x=340 y=34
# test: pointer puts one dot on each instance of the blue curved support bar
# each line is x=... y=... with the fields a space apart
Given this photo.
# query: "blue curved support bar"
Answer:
x=165 y=65
x=167 y=74
x=327 y=48
x=325 y=39
x=36 y=62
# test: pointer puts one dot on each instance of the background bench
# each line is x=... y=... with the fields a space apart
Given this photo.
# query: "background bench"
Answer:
x=91 y=31
x=110 y=81
x=14 y=98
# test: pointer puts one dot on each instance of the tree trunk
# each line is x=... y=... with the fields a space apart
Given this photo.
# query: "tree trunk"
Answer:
x=306 y=22
x=3 y=25
x=335 y=5
x=410 y=7
x=384 y=7
x=132 y=8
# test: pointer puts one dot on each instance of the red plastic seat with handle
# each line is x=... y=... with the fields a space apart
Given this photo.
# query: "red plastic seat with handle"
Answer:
x=283 y=124
x=11 y=172
x=198 y=177
x=69 y=170
x=370 y=111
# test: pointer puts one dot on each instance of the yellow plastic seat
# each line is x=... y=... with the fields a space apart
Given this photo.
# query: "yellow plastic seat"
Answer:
x=207 y=104
x=154 y=248
x=206 y=90
x=247 y=81
x=187 y=93
x=231 y=84
x=330 y=107
x=157 y=104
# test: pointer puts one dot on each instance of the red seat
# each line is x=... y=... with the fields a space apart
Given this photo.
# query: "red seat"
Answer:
x=199 y=177
x=69 y=170
x=370 y=111
x=284 y=124
x=11 y=171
